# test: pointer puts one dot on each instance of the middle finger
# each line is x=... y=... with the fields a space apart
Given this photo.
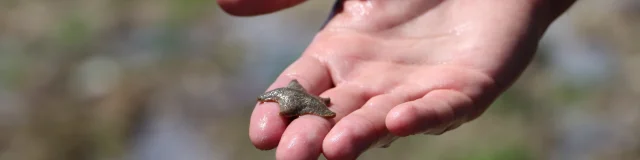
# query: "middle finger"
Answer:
x=303 y=137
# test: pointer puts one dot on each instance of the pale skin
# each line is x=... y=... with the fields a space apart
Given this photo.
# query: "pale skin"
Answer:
x=397 y=68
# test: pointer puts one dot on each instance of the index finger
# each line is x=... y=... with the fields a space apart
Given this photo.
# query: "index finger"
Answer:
x=266 y=125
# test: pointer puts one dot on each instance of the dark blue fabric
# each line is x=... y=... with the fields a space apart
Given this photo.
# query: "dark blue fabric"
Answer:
x=337 y=7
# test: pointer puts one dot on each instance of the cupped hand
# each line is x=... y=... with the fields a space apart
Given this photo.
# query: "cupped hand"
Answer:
x=397 y=68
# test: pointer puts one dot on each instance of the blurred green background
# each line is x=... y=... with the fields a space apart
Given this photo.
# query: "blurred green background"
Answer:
x=177 y=79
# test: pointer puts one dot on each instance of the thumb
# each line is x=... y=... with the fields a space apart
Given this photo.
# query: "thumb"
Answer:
x=255 y=7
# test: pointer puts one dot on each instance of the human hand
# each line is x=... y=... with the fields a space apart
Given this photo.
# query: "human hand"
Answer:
x=398 y=68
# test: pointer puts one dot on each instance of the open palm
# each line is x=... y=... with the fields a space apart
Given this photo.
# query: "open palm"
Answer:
x=396 y=68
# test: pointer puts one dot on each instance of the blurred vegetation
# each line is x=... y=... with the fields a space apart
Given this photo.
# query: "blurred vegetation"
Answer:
x=89 y=79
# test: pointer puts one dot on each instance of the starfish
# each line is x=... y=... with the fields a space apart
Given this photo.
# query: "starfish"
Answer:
x=295 y=101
